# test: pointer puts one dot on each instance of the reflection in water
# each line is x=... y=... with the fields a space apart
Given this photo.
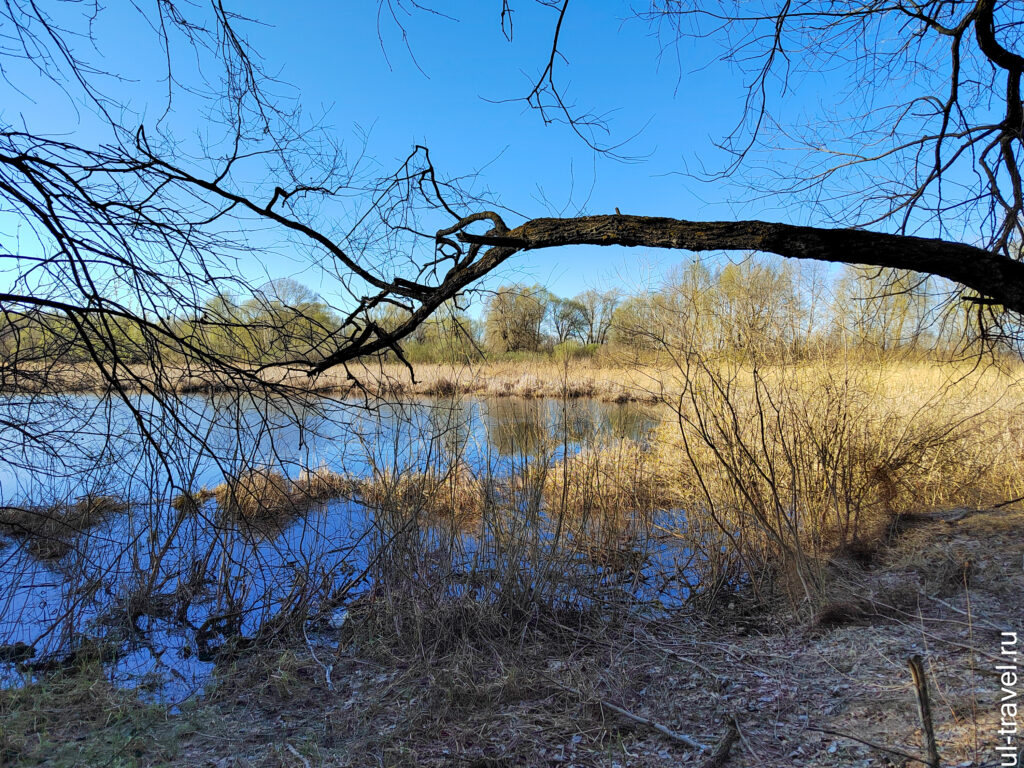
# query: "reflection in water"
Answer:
x=516 y=427
x=157 y=570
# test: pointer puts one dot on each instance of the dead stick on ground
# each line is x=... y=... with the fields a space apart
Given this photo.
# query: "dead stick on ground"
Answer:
x=294 y=751
x=924 y=709
x=872 y=744
x=721 y=754
x=656 y=726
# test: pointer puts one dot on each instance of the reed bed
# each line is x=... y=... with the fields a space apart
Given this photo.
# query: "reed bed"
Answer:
x=532 y=379
x=781 y=470
x=265 y=500
x=452 y=498
x=602 y=500
x=50 y=531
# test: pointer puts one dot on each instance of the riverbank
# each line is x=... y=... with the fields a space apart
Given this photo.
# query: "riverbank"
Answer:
x=832 y=690
x=648 y=382
x=852 y=517
x=531 y=379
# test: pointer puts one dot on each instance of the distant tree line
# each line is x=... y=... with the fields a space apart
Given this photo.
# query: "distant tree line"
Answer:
x=280 y=322
x=753 y=307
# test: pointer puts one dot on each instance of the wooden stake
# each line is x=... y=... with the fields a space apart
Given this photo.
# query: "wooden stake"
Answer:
x=924 y=709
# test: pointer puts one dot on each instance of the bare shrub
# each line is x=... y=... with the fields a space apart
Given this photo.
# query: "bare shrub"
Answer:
x=782 y=468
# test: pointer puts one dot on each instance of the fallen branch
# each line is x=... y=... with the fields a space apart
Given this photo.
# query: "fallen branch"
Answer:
x=873 y=745
x=681 y=737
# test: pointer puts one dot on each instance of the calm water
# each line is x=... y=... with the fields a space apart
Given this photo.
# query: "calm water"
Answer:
x=145 y=452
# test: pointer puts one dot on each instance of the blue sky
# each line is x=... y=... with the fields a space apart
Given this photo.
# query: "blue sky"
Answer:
x=437 y=95
x=439 y=92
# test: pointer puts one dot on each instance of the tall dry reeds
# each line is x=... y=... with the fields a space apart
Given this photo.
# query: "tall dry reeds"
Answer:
x=780 y=469
x=539 y=378
x=602 y=499
x=265 y=500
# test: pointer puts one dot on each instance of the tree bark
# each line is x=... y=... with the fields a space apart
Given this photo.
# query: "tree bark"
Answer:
x=992 y=275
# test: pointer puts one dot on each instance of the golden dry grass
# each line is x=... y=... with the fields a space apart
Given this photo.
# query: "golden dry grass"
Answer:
x=266 y=501
x=323 y=484
x=603 y=497
x=783 y=467
x=551 y=379
x=50 y=531
x=191 y=502
x=256 y=494
x=453 y=498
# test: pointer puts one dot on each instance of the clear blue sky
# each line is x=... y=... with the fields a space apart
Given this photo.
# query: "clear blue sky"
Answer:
x=437 y=93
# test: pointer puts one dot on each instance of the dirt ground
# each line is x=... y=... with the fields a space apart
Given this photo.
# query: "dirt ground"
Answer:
x=832 y=690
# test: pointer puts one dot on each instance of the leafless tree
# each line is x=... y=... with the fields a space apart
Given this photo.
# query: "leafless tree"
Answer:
x=135 y=229
x=942 y=160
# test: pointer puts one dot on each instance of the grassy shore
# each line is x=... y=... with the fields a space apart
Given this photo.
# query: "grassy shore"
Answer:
x=841 y=517
x=835 y=691
x=535 y=378
x=612 y=378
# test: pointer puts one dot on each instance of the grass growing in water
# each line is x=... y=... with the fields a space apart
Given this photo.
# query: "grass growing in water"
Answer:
x=50 y=531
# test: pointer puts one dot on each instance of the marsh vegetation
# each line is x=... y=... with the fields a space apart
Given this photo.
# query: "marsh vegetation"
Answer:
x=432 y=512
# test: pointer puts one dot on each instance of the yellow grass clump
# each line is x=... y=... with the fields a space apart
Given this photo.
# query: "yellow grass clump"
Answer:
x=256 y=494
x=50 y=531
x=453 y=498
x=191 y=502
x=263 y=497
x=323 y=484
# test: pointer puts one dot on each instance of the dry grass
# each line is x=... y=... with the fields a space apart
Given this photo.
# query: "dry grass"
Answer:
x=551 y=379
x=50 y=532
x=257 y=494
x=266 y=501
x=323 y=484
x=453 y=498
x=781 y=469
x=535 y=379
x=190 y=502
x=602 y=499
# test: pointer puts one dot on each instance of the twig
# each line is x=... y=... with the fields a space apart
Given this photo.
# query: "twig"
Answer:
x=953 y=608
x=681 y=737
x=294 y=751
x=721 y=754
x=327 y=668
x=873 y=745
x=744 y=741
x=924 y=709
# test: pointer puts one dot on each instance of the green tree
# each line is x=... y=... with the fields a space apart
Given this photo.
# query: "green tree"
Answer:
x=514 y=319
x=568 y=318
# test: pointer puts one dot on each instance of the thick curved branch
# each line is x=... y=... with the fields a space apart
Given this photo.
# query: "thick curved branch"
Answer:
x=992 y=275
